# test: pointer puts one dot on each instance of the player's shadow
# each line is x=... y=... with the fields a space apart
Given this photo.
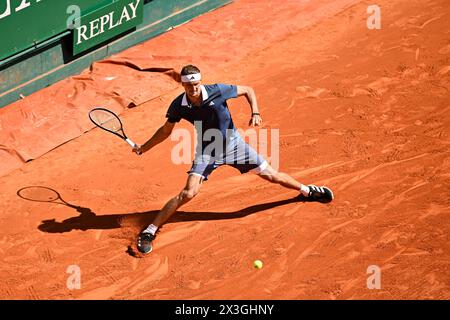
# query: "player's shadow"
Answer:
x=87 y=220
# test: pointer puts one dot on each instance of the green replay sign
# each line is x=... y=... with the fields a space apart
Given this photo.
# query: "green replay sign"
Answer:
x=27 y=23
x=106 y=22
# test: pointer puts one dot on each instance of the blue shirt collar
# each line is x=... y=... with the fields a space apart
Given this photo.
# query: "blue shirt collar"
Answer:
x=205 y=96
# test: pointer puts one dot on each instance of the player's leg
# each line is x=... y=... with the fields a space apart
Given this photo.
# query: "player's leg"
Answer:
x=312 y=192
x=190 y=190
x=244 y=158
x=281 y=178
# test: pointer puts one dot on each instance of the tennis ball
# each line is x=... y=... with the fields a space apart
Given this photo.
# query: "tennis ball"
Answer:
x=258 y=264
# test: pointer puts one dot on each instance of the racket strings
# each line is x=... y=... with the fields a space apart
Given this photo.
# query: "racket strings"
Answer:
x=106 y=120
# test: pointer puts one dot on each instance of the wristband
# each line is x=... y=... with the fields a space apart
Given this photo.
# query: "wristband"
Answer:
x=255 y=114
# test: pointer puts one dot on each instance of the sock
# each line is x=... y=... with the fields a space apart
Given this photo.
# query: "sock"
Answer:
x=304 y=190
x=151 y=229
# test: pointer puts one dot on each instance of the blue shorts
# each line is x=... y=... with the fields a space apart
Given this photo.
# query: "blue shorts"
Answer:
x=237 y=154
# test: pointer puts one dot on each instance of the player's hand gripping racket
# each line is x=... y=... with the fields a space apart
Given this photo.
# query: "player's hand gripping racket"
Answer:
x=109 y=121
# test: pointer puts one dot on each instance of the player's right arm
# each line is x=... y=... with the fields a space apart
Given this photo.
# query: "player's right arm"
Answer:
x=159 y=136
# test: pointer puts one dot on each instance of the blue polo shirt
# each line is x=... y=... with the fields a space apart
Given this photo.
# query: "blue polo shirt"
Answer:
x=213 y=113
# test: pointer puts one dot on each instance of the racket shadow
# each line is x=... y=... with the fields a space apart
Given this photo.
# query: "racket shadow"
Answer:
x=89 y=220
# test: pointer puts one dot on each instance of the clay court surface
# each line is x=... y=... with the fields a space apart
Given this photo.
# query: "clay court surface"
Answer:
x=365 y=112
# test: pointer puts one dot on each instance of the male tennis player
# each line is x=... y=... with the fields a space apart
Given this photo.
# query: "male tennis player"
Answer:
x=205 y=106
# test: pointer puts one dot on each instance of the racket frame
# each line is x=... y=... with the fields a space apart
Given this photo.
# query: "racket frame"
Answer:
x=124 y=136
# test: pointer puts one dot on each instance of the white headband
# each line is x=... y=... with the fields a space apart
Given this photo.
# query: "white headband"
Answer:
x=191 y=77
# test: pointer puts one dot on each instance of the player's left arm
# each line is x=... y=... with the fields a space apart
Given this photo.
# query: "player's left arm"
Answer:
x=249 y=93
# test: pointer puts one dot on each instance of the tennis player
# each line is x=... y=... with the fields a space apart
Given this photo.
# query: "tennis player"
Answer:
x=205 y=106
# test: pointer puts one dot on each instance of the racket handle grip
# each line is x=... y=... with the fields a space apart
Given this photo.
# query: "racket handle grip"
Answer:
x=133 y=145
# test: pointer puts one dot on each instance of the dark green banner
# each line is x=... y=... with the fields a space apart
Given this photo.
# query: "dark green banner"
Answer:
x=25 y=23
x=104 y=23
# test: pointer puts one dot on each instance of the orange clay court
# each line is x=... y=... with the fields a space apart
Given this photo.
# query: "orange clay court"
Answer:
x=365 y=112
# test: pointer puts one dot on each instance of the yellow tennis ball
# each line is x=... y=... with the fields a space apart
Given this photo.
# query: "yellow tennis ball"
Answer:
x=258 y=264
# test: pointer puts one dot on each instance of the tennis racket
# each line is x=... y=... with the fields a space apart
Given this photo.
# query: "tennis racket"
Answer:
x=109 y=121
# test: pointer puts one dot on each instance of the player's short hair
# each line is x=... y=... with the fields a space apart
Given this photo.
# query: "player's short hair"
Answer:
x=189 y=69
